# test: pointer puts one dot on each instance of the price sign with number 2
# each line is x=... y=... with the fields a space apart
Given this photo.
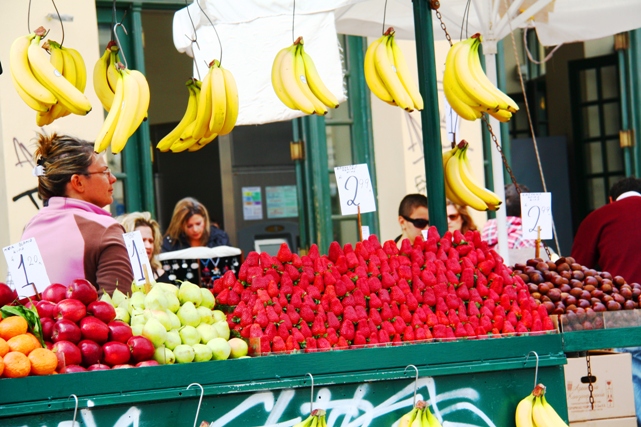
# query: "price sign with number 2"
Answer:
x=536 y=211
x=354 y=189
x=137 y=256
x=26 y=268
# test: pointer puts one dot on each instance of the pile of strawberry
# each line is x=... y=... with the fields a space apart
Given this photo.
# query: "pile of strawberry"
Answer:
x=446 y=287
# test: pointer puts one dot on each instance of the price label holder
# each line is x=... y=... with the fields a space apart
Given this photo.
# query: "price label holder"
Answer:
x=364 y=232
x=536 y=213
x=138 y=257
x=355 y=189
x=26 y=268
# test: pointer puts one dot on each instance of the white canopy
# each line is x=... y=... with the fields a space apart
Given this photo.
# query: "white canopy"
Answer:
x=200 y=252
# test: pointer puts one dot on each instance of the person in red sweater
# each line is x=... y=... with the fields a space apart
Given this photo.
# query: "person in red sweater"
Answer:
x=608 y=239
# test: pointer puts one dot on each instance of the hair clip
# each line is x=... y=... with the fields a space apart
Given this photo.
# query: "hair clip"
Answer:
x=40 y=161
x=39 y=170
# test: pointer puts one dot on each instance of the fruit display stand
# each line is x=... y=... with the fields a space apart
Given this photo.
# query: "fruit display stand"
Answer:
x=478 y=382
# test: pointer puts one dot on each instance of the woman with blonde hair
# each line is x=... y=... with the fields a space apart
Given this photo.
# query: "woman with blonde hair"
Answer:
x=151 y=237
x=458 y=218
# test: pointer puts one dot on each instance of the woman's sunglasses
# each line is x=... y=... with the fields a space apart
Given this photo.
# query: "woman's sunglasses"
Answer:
x=418 y=222
x=453 y=217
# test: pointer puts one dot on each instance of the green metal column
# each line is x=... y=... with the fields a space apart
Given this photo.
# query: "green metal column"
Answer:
x=305 y=206
x=506 y=145
x=433 y=153
x=635 y=85
x=623 y=93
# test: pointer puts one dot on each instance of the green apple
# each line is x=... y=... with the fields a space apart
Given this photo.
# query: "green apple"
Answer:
x=175 y=321
x=220 y=348
x=137 y=329
x=188 y=314
x=239 y=348
x=208 y=298
x=117 y=297
x=137 y=300
x=206 y=315
x=189 y=335
x=203 y=353
x=173 y=304
x=156 y=299
x=207 y=332
x=219 y=316
x=173 y=339
x=168 y=288
x=155 y=332
x=190 y=292
x=184 y=353
x=164 y=356
x=223 y=329
x=123 y=314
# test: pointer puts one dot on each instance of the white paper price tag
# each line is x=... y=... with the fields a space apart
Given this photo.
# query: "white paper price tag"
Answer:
x=536 y=211
x=26 y=268
x=354 y=189
x=365 y=231
x=138 y=256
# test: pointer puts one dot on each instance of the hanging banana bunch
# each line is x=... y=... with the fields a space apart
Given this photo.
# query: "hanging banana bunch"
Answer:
x=534 y=411
x=105 y=75
x=173 y=137
x=388 y=76
x=315 y=419
x=297 y=82
x=53 y=85
x=468 y=90
x=419 y=416
x=460 y=185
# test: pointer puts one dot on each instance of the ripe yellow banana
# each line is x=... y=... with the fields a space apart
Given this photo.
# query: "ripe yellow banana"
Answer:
x=143 y=98
x=24 y=77
x=418 y=419
x=429 y=419
x=69 y=71
x=231 y=94
x=126 y=125
x=301 y=79
x=384 y=61
x=201 y=124
x=100 y=83
x=372 y=78
x=307 y=422
x=277 y=82
x=523 y=414
x=448 y=191
x=458 y=187
x=466 y=77
x=290 y=82
x=80 y=67
x=540 y=416
x=552 y=414
x=407 y=419
x=106 y=133
x=67 y=93
x=112 y=73
x=189 y=116
x=489 y=197
x=218 y=99
x=404 y=75
x=501 y=115
x=315 y=82
x=462 y=104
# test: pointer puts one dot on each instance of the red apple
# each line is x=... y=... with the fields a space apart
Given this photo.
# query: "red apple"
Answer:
x=83 y=291
x=123 y=366
x=116 y=353
x=102 y=310
x=70 y=369
x=91 y=352
x=66 y=330
x=98 y=367
x=141 y=348
x=119 y=331
x=46 y=309
x=94 y=329
x=147 y=363
x=49 y=345
x=55 y=293
x=7 y=295
x=47 y=327
x=71 y=309
x=68 y=354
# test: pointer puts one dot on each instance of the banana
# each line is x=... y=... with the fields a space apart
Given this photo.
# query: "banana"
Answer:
x=418 y=419
x=523 y=414
x=218 y=99
x=404 y=75
x=143 y=98
x=458 y=187
x=231 y=94
x=277 y=82
x=540 y=416
x=372 y=78
x=201 y=124
x=69 y=70
x=448 y=191
x=456 y=97
x=106 y=133
x=383 y=59
x=66 y=92
x=314 y=422
x=552 y=414
x=430 y=419
x=290 y=82
x=189 y=116
x=407 y=419
x=23 y=75
x=315 y=83
x=466 y=77
x=100 y=82
x=80 y=67
x=126 y=125
x=489 y=197
x=503 y=116
x=56 y=57
x=301 y=79
x=188 y=133
x=32 y=102
x=307 y=422
x=112 y=73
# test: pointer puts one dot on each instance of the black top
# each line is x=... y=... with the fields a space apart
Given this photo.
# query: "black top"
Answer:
x=217 y=237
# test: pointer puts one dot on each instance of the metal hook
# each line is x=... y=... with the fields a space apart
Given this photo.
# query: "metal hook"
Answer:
x=311 y=399
x=220 y=44
x=202 y=392
x=122 y=52
x=536 y=367
x=75 y=410
x=415 y=381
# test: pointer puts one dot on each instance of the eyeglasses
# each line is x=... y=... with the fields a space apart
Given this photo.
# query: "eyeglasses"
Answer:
x=453 y=217
x=106 y=172
x=417 y=222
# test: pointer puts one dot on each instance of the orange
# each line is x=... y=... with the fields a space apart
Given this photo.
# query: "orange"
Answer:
x=24 y=343
x=1 y=366
x=12 y=326
x=4 y=348
x=43 y=361
x=16 y=365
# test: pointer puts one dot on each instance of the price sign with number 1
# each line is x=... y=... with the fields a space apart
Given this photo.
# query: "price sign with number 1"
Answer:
x=536 y=211
x=354 y=189
x=26 y=268
x=138 y=256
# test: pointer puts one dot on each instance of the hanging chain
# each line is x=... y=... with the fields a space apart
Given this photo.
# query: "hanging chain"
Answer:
x=434 y=5
x=590 y=386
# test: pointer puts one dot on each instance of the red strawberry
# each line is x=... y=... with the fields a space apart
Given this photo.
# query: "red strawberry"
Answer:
x=270 y=331
x=361 y=312
x=332 y=320
x=411 y=301
x=336 y=306
x=359 y=298
x=460 y=331
x=453 y=317
x=305 y=330
x=397 y=294
x=408 y=334
x=417 y=256
x=262 y=319
x=284 y=254
x=439 y=331
x=332 y=336
x=508 y=328
x=347 y=248
x=521 y=328
x=405 y=313
x=429 y=298
x=293 y=315
x=384 y=295
x=347 y=330
x=399 y=325
x=383 y=337
x=291 y=344
x=265 y=345
x=537 y=325
x=334 y=251
x=390 y=248
x=359 y=339
x=452 y=301
x=352 y=260
x=349 y=284
x=387 y=281
x=442 y=318
x=363 y=328
x=375 y=316
x=511 y=317
x=373 y=338
x=342 y=344
x=255 y=331
x=285 y=320
x=313 y=252
x=323 y=344
x=350 y=314
x=297 y=261
x=271 y=314
x=278 y=343
x=473 y=310
x=297 y=335
x=498 y=322
x=463 y=292
x=307 y=313
x=341 y=264
x=486 y=266
x=310 y=345
x=318 y=327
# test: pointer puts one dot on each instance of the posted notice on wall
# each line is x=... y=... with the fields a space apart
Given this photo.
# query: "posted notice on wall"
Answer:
x=355 y=189
x=536 y=212
x=138 y=256
x=252 y=203
x=282 y=201
x=26 y=268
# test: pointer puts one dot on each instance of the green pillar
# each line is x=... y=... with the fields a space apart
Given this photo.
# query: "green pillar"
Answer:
x=506 y=146
x=430 y=120
x=634 y=88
